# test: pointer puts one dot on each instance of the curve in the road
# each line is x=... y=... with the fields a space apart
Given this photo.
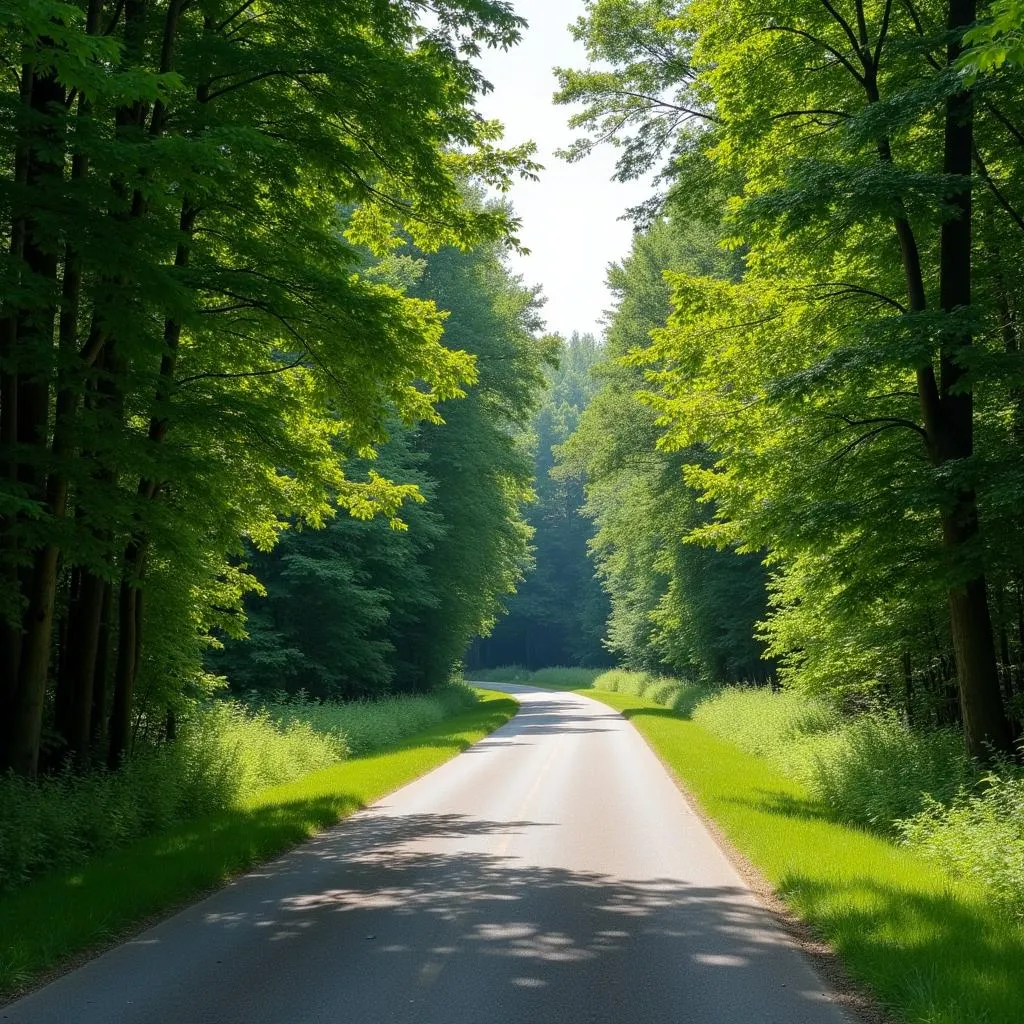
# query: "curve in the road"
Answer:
x=551 y=873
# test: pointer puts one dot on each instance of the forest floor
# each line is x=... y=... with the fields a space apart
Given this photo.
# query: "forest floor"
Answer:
x=60 y=919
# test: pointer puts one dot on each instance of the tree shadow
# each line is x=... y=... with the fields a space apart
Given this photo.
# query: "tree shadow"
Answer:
x=938 y=956
x=425 y=917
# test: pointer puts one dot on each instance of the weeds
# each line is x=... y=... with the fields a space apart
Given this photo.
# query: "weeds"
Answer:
x=226 y=753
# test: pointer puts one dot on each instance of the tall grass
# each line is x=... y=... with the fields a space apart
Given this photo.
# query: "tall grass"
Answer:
x=670 y=693
x=869 y=770
x=567 y=677
x=227 y=752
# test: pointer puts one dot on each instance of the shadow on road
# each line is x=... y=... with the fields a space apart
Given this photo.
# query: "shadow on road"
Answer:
x=430 y=921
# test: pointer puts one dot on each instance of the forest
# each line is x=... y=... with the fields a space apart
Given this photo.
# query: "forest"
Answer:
x=238 y=292
x=287 y=449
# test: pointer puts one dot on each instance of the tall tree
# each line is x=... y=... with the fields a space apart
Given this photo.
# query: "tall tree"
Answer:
x=187 y=340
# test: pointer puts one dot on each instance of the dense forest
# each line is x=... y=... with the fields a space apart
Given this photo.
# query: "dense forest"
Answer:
x=558 y=614
x=234 y=234
x=273 y=408
x=815 y=359
x=288 y=454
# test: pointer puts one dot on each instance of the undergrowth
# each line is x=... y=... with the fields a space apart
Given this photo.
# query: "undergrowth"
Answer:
x=226 y=753
x=569 y=677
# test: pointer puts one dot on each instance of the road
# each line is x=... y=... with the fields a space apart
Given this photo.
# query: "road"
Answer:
x=551 y=873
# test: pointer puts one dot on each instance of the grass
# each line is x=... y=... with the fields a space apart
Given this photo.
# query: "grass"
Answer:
x=51 y=920
x=227 y=752
x=934 y=950
x=561 y=677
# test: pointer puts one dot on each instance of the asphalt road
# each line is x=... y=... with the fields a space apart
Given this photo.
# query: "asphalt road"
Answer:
x=552 y=873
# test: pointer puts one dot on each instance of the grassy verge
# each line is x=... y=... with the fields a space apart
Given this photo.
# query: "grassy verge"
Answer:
x=226 y=752
x=53 y=919
x=933 y=950
x=559 y=678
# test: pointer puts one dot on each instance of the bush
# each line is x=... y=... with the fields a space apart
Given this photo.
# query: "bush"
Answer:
x=980 y=835
x=364 y=726
x=225 y=753
x=673 y=693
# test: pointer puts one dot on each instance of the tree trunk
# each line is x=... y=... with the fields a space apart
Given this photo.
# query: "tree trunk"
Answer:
x=78 y=670
x=124 y=668
x=35 y=339
x=950 y=428
x=101 y=671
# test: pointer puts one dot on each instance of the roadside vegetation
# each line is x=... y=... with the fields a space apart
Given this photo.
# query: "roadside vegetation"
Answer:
x=934 y=949
x=226 y=754
x=917 y=788
x=564 y=677
x=66 y=912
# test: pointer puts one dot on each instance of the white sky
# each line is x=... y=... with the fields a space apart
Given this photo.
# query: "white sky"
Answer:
x=570 y=216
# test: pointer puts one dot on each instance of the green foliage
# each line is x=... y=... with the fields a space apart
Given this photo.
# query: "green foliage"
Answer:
x=996 y=42
x=868 y=769
x=679 y=695
x=558 y=613
x=980 y=836
x=192 y=338
x=398 y=602
x=634 y=92
x=368 y=725
x=226 y=754
x=675 y=606
x=844 y=399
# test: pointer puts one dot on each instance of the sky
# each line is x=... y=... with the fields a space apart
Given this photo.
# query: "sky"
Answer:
x=570 y=216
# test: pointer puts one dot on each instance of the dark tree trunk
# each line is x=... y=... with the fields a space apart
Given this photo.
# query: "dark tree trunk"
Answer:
x=101 y=671
x=35 y=342
x=950 y=429
x=124 y=671
x=78 y=670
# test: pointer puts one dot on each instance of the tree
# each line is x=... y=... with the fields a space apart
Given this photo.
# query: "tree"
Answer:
x=397 y=603
x=187 y=340
x=558 y=614
x=674 y=605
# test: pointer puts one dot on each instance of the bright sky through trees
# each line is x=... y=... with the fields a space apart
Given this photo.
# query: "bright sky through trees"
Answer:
x=570 y=217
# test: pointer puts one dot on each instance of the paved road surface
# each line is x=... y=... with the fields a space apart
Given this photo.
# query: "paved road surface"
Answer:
x=552 y=874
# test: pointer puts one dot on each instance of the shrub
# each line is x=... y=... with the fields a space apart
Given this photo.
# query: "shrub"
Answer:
x=226 y=752
x=980 y=835
x=673 y=693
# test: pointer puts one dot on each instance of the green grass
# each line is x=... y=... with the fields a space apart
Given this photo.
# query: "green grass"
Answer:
x=226 y=752
x=560 y=677
x=47 y=922
x=932 y=949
